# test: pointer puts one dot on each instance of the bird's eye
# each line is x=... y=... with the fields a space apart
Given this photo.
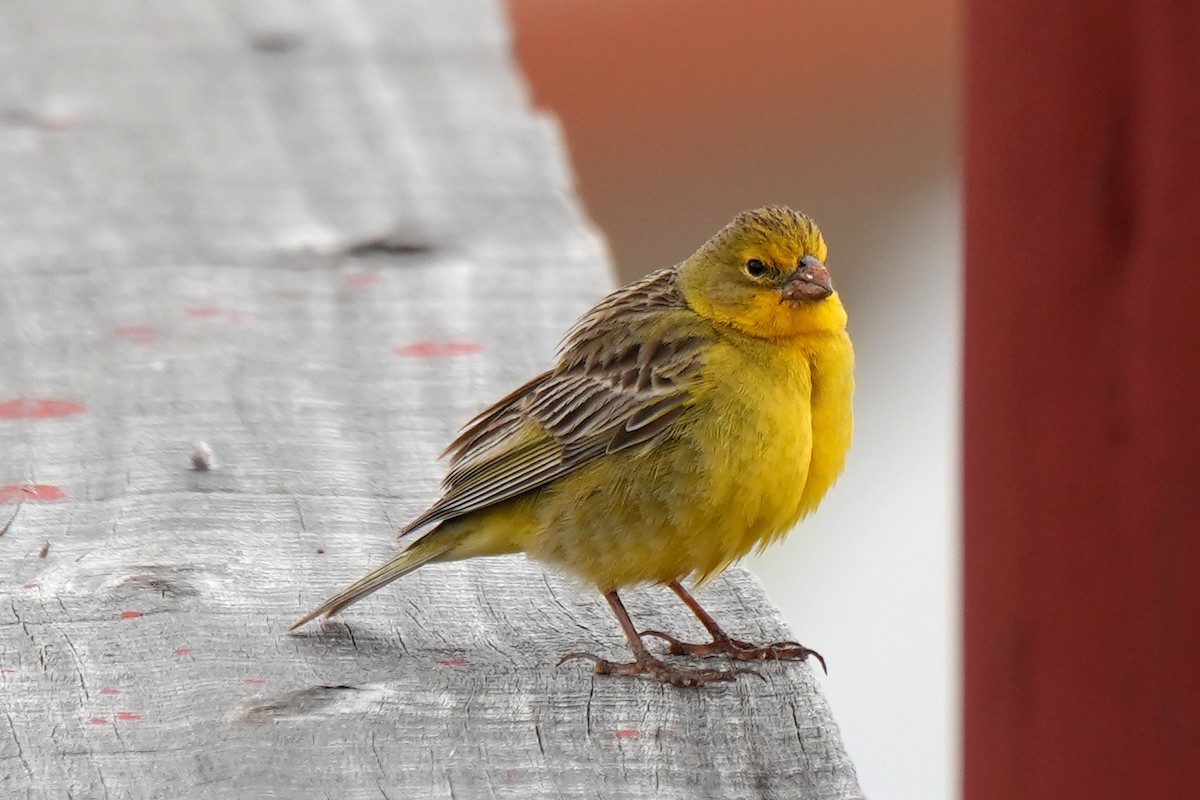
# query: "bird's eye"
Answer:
x=755 y=268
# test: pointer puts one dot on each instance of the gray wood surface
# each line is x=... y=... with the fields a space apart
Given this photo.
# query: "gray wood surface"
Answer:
x=315 y=237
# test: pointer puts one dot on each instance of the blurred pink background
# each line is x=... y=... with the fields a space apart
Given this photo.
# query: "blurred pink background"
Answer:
x=680 y=113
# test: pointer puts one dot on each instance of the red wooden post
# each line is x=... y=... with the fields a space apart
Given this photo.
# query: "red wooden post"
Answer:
x=1082 y=392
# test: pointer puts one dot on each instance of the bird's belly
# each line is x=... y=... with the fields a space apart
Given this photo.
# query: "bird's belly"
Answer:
x=691 y=504
x=755 y=492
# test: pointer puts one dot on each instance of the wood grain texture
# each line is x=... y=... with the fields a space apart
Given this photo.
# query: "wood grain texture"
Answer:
x=315 y=237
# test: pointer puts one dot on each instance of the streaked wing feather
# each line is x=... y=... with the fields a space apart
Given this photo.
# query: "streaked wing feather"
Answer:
x=615 y=386
x=494 y=422
x=645 y=430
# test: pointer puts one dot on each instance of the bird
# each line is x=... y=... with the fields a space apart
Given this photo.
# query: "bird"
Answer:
x=690 y=417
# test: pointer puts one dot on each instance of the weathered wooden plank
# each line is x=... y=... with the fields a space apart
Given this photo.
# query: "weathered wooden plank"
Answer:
x=190 y=224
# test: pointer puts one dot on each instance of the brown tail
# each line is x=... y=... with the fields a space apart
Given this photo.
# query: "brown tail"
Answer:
x=428 y=548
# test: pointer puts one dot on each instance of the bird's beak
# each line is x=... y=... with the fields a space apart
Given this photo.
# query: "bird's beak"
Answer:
x=810 y=281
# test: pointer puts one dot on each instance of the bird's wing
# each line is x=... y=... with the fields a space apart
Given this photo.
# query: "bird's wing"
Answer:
x=622 y=378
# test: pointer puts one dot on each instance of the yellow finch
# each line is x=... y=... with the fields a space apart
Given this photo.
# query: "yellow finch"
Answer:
x=692 y=415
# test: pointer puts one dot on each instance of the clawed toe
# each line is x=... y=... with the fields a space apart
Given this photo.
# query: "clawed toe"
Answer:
x=659 y=670
x=739 y=650
x=778 y=651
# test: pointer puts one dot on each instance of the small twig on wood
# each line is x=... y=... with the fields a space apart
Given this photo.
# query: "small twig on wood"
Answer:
x=398 y=242
x=275 y=41
x=45 y=549
x=4 y=530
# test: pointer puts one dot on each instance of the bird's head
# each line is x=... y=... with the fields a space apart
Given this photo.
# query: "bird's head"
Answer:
x=764 y=274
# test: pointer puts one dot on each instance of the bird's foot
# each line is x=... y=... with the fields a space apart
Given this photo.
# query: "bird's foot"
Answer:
x=723 y=645
x=649 y=667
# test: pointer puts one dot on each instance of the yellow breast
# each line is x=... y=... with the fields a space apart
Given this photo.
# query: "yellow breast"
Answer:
x=790 y=424
x=766 y=437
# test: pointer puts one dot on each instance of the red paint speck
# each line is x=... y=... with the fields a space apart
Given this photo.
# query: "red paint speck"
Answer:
x=204 y=311
x=628 y=732
x=454 y=662
x=133 y=330
x=40 y=408
x=140 y=334
x=254 y=681
x=130 y=614
x=439 y=349
x=30 y=585
x=110 y=691
x=7 y=671
x=182 y=651
x=30 y=492
x=57 y=122
x=98 y=721
x=128 y=715
x=361 y=279
x=511 y=774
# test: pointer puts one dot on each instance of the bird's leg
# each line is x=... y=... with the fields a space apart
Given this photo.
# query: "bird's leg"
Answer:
x=645 y=664
x=724 y=644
